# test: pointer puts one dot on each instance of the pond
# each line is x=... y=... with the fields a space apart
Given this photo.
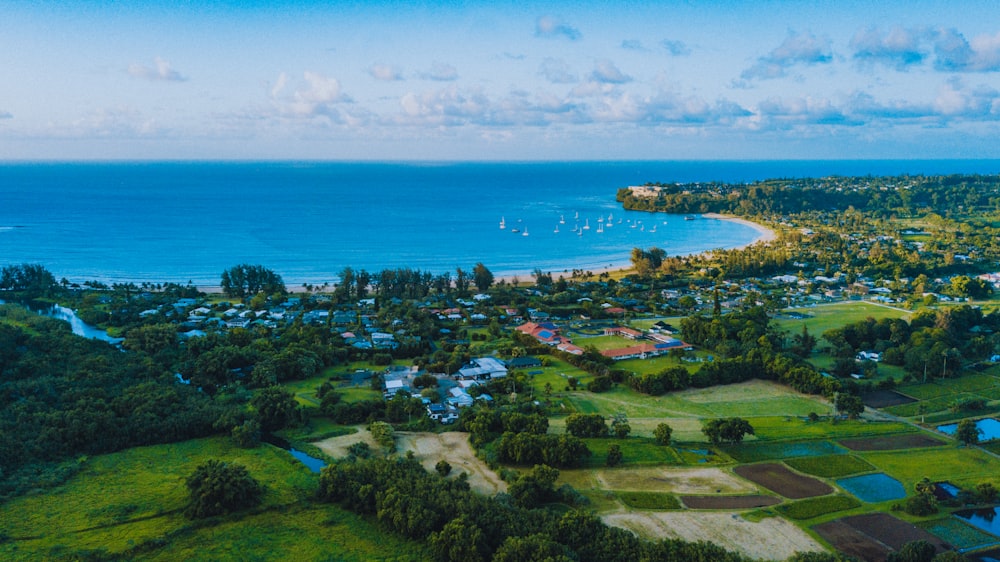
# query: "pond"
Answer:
x=985 y=519
x=873 y=488
x=990 y=428
x=312 y=463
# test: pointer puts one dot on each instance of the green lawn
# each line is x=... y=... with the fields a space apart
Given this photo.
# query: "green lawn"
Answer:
x=134 y=499
x=962 y=466
x=828 y=316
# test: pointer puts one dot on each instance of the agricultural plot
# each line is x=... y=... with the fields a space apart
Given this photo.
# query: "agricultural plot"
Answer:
x=873 y=488
x=830 y=466
x=892 y=442
x=957 y=533
x=765 y=451
x=964 y=467
x=728 y=502
x=814 y=507
x=828 y=316
x=780 y=480
x=649 y=500
x=868 y=536
x=635 y=452
x=885 y=398
x=772 y=538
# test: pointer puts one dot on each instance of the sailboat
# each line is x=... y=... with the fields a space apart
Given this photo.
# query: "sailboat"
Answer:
x=557 y=229
x=525 y=233
x=503 y=224
x=600 y=227
x=562 y=219
x=586 y=225
x=653 y=229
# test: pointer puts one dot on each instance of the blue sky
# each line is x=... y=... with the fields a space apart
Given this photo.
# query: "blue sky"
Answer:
x=500 y=80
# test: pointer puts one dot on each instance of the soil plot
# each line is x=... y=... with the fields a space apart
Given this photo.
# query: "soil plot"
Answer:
x=892 y=442
x=728 y=502
x=885 y=398
x=872 y=536
x=781 y=480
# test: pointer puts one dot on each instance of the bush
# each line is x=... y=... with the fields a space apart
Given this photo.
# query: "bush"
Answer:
x=920 y=505
x=443 y=467
x=662 y=434
x=217 y=487
x=614 y=455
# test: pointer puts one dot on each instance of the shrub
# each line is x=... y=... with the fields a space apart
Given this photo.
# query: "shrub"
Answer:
x=217 y=487
x=443 y=467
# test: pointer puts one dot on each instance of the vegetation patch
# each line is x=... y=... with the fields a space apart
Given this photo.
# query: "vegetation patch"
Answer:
x=830 y=466
x=892 y=442
x=634 y=452
x=964 y=467
x=755 y=452
x=780 y=480
x=873 y=488
x=649 y=500
x=786 y=428
x=957 y=533
x=729 y=502
x=885 y=398
x=814 y=507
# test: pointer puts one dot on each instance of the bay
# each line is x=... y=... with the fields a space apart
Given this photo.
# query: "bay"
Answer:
x=188 y=221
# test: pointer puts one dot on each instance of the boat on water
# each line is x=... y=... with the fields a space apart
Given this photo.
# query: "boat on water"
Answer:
x=576 y=215
x=653 y=229
x=610 y=217
x=557 y=229
x=562 y=219
x=600 y=227
x=515 y=230
x=586 y=224
x=525 y=233
x=689 y=218
x=503 y=224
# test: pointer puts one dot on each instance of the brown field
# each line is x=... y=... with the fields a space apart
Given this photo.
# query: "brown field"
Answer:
x=728 y=502
x=429 y=448
x=892 y=442
x=675 y=480
x=873 y=535
x=781 y=480
x=773 y=538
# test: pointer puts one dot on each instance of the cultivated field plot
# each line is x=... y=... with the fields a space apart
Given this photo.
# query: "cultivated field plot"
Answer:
x=814 y=507
x=964 y=467
x=454 y=447
x=832 y=466
x=870 y=536
x=957 y=533
x=772 y=538
x=885 y=398
x=728 y=502
x=824 y=317
x=754 y=452
x=780 y=480
x=893 y=442
x=690 y=481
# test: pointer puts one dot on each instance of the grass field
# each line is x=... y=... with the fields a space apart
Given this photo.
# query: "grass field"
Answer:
x=134 y=500
x=814 y=507
x=965 y=467
x=832 y=466
x=828 y=316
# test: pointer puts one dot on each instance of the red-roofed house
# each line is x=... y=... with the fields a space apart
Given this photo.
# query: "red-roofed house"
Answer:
x=623 y=332
x=546 y=332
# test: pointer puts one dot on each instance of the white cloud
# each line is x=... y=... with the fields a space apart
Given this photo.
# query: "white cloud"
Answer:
x=385 y=72
x=606 y=72
x=440 y=72
x=549 y=26
x=797 y=49
x=954 y=53
x=160 y=71
x=316 y=96
x=5 y=115
x=900 y=48
x=675 y=48
x=557 y=71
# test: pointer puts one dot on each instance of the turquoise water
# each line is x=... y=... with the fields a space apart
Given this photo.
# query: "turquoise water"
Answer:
x=180 y=221
x=990 y=429
x=873 y=488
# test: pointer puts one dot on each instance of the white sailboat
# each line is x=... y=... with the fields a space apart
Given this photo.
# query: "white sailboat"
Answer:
x=525 y=233
x=503 y=224
x=586 y=225
x=562 y=219
x=557 y=229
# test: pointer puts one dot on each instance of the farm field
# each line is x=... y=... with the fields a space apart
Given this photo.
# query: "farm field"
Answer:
x=823 y=317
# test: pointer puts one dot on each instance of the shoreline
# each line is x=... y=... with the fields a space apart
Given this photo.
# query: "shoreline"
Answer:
x=764 y=235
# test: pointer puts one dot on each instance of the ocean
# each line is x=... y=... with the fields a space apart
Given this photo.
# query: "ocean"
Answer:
x=189 y=221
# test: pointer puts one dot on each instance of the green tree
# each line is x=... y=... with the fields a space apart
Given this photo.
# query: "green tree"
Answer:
x=967 y=432
x=443 y=467
x=614 y=455
x=217 y=487
x=383 y=434
x=727 y=430
x=275 y=408
x=586 y=425
x=534 y=487
x=31 y=279
x=460 y=540
x=914 y=551
x=662 y=434
x=482 y=277
x=246 y=280
x=531 y=548
x=850 y=405
x=620 y=427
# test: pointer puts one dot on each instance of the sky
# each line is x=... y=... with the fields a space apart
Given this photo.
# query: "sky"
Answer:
x=442 y=81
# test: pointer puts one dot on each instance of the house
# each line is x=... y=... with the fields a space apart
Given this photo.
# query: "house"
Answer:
x=459 y=398
x=393 y=386
x=482 y=368
x=570 y=348
x=869 y=356
x=623 y=332
x=644 y=350
x=524 y=362
x=545 y=332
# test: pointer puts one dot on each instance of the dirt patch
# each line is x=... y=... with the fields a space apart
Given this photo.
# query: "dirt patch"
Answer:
x=885 y=398
x=674 y=480
x=454 y=447
x=892 y=442
x=851 y=541
x=336 y=447
x=872 y=536
x=781 y=480
x=728 y=502
x=772 y=538
x=428 y=448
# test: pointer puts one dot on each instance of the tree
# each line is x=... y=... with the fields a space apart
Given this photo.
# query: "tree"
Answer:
x=534 y=487
x=728 y=430
x=914 y=551
x=443 y=467
x=460 y=540
x=32 y=279
x=967 y=432
x=482 y=277
x=662 y=434
x=276 y=408
x=620 y=426
x=383 y=434
x=614 y=455
x=217 y=487
x=586 y=425
x=247 y=280
x=850 y=405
